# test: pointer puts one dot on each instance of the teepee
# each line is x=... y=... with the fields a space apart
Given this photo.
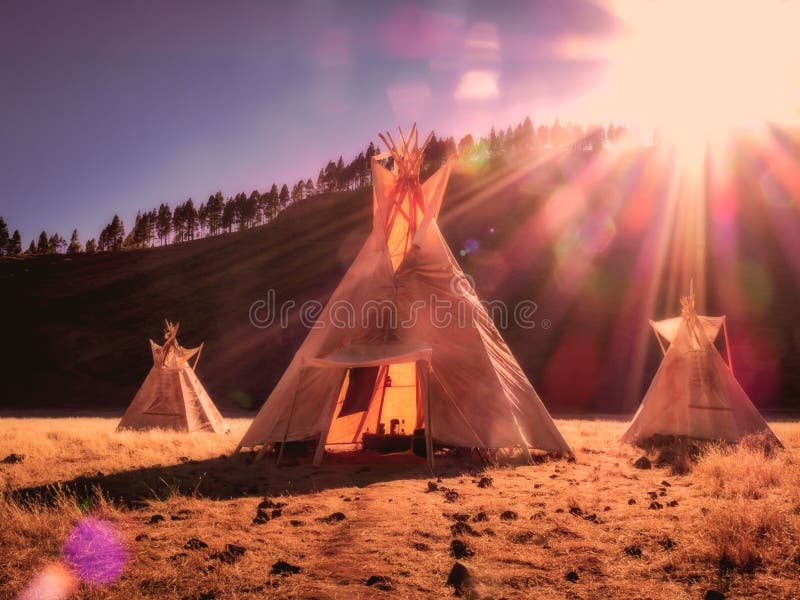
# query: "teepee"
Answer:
x=694 y=392
x=172 y=396
x=404 y=343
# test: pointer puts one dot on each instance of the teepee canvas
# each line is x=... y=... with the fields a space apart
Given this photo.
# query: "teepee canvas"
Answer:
x=172 y=396
x=404 y=343
x=694 y=392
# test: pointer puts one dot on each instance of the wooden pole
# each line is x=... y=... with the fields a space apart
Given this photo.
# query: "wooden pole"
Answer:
x=385 y=372
x=288 y=422
x=319 y=453
x=660 y=343
x=727 y=344
x=429 y=423
x=523 y=442
x=197 y=357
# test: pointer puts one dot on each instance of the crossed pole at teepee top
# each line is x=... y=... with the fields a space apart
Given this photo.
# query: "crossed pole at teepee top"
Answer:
x=407 y=156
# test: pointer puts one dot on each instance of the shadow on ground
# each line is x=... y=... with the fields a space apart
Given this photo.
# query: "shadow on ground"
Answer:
x=229 y=477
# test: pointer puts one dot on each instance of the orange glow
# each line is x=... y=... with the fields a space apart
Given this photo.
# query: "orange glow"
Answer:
x=400 y=399
x=695 y=71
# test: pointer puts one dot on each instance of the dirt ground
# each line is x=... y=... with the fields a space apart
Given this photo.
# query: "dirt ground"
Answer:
x=370 y=527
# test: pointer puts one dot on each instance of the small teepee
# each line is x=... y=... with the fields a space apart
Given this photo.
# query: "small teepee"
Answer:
x=694 y=392
x=404 y=343
x=172 y=396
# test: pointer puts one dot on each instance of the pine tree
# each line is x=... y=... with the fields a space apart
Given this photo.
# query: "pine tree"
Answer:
x=116 y=233
x=329 y=179
x=466 y=146
x=91 y=246
x=74 y=243
x=190 y=218
x=228 y=214
x=283 y=198
x=273 y=202
x=32 y=248
x=3 y=236
x=298 y=192
x=15 y=244
x=41 y=247
x=251 y=207
x=340 y=182
x=56 y=244
x=214 y=206
x=164 y=222
x=240 y=210
x=321 y=180
x=202 y=218
x=527 y=136
x=179 y=223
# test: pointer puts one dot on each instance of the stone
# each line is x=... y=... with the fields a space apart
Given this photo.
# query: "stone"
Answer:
x=195 y=544
x=642 y=463
x=451 y=496
x=334 y=517
x=571 y=576
x=460 y=579
x=284 y=568
x=459 y=549
x=633 y=551
x=461 y=528
x=381 y=582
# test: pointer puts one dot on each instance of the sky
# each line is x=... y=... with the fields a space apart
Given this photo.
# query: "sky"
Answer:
x=110 y=107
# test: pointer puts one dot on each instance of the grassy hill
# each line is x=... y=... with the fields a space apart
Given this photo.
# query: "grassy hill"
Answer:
x=583 y=245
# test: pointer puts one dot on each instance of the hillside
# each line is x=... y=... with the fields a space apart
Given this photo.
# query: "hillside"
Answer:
x=75 y=328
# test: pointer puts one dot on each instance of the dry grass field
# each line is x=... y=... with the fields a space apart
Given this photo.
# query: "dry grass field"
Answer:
x=593 y=528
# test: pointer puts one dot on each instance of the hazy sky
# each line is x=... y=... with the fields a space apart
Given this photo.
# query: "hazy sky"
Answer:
x=113 y=106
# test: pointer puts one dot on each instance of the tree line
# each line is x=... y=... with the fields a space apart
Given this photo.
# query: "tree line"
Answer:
x=186 y=221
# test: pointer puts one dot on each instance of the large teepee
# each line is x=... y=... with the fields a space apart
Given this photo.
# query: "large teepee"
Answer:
x=694 y=392
x=404 y=341
x=172 y=396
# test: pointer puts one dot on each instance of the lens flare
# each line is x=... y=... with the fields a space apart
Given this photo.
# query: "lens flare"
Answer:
x=95 y=552
x=54 y=582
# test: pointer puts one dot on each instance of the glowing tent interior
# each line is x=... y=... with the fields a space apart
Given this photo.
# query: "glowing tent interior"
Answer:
x=694 y=392
x=403 y=343
x=172 y=396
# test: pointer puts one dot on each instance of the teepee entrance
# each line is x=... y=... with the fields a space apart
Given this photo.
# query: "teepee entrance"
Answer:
x=381 y=400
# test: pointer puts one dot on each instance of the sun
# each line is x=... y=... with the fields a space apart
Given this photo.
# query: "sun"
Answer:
x=694 y=71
